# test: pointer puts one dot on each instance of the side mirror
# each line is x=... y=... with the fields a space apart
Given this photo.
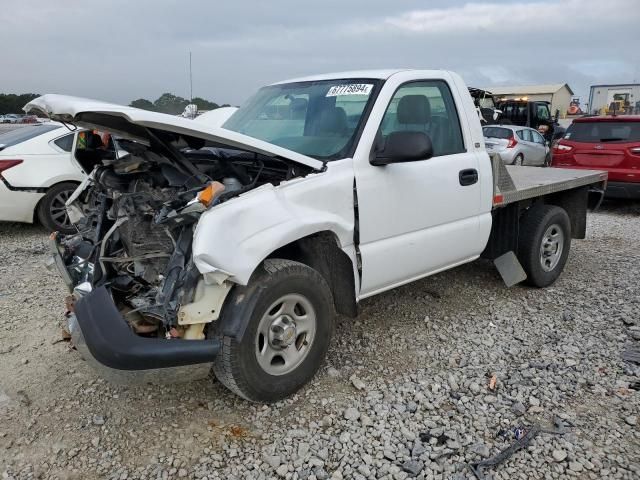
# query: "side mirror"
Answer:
x=402 y=147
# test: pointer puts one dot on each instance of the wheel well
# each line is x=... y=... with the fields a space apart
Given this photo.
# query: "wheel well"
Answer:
x=321 y=251
x=35 y=210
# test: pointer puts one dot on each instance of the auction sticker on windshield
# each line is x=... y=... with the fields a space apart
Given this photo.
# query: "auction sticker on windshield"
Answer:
x=350 y=89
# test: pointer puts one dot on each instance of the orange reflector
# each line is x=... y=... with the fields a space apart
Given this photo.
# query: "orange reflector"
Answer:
x=209 y=194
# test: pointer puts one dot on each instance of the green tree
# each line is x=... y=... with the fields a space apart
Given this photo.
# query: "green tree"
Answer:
x=12 y=103
x=204 y=104
x=143 y=103
x=170 y=103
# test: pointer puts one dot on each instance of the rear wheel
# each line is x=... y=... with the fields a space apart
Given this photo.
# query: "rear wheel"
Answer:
x=52 y=211
x=519 y=160
x=287 y=336
x=543 y=243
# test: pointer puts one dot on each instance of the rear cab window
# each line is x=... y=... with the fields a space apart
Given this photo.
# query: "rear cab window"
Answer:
x=608 y=132
x=22 y=134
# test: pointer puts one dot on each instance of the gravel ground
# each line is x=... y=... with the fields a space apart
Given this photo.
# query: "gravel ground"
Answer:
x=406 y=391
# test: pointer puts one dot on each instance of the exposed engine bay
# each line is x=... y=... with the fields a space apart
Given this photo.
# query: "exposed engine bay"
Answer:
x=136 y=214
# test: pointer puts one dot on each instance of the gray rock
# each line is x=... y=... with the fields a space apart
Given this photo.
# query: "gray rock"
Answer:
x=273 y=460
x=559 y=455
x=98 y=420
x=356 y=382
x=351 y=414
x=282 y=470
x=631 y=420
x=413 y=467
x=575 y=467
x=518 y=408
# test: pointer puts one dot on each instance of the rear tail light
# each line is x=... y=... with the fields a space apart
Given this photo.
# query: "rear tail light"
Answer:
x=560 y=148
x=7 y=164
x=512 y=142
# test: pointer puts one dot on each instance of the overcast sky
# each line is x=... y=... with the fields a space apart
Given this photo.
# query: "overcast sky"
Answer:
x=119 y=50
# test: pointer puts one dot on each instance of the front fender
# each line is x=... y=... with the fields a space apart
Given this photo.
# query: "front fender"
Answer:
x=236 y=236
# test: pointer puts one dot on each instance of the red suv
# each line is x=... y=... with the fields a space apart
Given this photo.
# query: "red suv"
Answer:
x=604 y=143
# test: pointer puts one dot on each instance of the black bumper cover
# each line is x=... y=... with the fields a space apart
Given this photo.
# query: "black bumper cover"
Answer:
x=628 y=190
x=111 y=341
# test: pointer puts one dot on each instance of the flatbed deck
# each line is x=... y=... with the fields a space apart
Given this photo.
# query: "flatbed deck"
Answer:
x=515 y=183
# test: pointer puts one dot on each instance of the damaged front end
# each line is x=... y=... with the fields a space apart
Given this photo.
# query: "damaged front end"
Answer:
x=139 y=303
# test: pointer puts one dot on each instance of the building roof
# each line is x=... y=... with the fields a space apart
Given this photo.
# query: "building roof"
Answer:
x=529 y=89
x=616 y=85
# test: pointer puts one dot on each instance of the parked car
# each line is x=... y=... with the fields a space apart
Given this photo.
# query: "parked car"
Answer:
x=517 y=145
x=604 y=143
x=29 y=119
x=38 y=173
x=11 y=118
x=330 y=189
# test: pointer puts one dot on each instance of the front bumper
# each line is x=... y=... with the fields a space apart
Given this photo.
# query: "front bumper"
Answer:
x=107 y=342
x=112 y=343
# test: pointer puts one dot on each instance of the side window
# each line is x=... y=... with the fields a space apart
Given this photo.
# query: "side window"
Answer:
x=65 y=143
x=542 y=111
x=426 y=107
x=520 y=134
x=526 y=135
x=538 y=138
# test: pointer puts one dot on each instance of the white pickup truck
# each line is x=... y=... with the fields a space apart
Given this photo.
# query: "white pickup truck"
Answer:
x=235 y=246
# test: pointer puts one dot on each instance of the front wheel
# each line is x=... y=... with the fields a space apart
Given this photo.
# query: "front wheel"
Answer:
x=289 y=329
x=543 y=243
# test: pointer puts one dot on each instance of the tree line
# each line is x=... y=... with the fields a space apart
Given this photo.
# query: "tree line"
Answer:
x=165 y=103
x=170 y=103
x=12 y=103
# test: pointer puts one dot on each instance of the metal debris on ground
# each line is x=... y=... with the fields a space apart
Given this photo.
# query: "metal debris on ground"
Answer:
x=632 y=354
x=523 y=439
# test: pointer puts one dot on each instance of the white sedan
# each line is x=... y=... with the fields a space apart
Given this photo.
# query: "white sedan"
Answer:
x=38 y=173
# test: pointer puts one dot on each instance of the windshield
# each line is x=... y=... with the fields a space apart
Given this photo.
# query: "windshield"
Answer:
x=320 y=119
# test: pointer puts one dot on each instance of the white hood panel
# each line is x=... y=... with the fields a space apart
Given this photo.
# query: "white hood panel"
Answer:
x=76 y=110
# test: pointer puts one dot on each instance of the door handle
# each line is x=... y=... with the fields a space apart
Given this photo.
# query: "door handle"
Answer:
x=468 y=177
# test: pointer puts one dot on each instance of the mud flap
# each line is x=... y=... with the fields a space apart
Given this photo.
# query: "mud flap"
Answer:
x=510 y=269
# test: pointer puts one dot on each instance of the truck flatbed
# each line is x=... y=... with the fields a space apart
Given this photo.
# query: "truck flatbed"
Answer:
x=515 y=183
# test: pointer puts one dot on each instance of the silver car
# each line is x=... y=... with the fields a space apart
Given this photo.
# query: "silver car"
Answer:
x=517 y=145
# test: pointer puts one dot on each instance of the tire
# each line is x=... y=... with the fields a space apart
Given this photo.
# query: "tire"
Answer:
x=547 y=160
x=51 y=212
x=519 y=160
x=243 y=365
x=544 y=243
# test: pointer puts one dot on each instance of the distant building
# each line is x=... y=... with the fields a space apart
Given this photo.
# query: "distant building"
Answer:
x=559 y=94
x=624 y=98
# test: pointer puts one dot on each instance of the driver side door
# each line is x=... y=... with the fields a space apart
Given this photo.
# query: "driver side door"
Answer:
x=419 y=217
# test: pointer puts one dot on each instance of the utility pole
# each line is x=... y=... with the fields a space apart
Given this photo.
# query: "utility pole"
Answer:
x=190 y=81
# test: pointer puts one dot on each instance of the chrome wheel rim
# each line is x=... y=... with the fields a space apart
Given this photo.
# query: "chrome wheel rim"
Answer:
x=285 y=334
x=551 y=247
x=58 y=209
